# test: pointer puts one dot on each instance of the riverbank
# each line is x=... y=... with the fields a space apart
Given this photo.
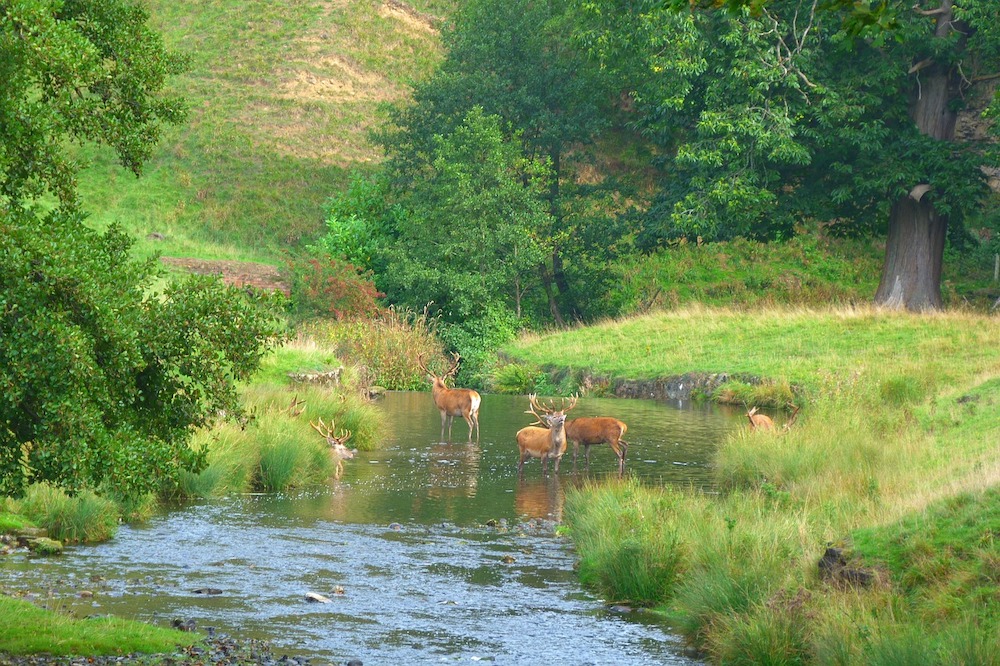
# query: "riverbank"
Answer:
x=896 y=440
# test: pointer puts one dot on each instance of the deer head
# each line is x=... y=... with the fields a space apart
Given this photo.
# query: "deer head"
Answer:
x=336 y=441
x=439 y=380
x=296 y=407
x=550 y=416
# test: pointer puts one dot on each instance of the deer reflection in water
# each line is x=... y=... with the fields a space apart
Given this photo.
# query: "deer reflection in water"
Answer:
x=540 y=498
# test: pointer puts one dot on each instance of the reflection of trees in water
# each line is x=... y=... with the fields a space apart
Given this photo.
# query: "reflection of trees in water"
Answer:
x=539 y=498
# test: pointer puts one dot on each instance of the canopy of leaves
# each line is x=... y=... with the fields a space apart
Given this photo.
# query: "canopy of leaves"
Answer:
x=75 y=70
x=773 y=112
x=102 y=380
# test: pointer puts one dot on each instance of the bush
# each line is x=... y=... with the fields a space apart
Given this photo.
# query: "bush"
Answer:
x=324 y=286
x=384 y=347
x=105 y=377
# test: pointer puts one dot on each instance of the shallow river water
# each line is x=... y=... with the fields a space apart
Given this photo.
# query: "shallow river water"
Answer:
x=429 y=552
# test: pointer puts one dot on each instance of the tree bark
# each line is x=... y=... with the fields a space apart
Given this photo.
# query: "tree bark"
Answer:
x=914 y=252
x=911 y=274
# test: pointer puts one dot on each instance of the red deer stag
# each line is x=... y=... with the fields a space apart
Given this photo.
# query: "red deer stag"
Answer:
x=453 y=402
x=336 y=442
x=548 y=441
x=590 y=430
x=759 y=421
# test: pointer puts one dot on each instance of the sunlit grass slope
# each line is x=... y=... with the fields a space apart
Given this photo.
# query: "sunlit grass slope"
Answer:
x=281 y=97
x=895 y=459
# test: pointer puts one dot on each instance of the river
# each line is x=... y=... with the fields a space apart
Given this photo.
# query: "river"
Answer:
x=428 y=552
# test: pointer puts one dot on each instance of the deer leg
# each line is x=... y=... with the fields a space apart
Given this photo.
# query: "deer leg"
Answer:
x=576 y=450
x=586 y=453
x=444 y=417
x=475 y=419
x=520 y=464
x=623 y=449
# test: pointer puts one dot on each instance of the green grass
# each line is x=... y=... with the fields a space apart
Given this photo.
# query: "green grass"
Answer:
x=26 y=629
x=281 y=98
x=895 y=451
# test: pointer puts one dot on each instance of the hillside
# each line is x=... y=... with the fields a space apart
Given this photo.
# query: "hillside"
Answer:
x=281 y=96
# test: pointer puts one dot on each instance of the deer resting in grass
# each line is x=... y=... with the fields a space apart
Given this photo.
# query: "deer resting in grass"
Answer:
x=548 y=441
x=590 y=430
x=337 y=444
x=759 y=421
x=453 y=402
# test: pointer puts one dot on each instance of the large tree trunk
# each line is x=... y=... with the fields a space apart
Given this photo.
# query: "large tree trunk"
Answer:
x=911 y=274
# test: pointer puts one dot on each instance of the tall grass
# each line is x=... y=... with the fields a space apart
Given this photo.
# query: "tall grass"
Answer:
x=85 y=517
x=384 y=348
x=892 y=458
x=276 y=450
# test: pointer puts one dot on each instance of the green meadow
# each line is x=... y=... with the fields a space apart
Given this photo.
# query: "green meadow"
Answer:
x=892 y=460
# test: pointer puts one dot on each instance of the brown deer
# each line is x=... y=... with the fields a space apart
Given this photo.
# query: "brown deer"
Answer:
x=548 y=441
x=453 y=402
x=336 y=442
x=590 y=430
x=759 y=421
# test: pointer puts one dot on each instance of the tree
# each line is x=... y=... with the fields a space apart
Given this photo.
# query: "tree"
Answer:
x=77 y=70
x=477 y=225
x=778 y=112
x=103 y=377
x=513 y=60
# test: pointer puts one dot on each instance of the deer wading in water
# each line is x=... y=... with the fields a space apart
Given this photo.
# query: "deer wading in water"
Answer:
x=336 y=442
x=453 y=402
x=548 y=441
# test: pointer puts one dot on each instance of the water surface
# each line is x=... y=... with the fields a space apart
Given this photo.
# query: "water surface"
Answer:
x=429 y=551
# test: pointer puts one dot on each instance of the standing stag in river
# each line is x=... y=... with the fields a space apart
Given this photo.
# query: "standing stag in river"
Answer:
x=453 y=402
x=590 y=430
x=545 y=442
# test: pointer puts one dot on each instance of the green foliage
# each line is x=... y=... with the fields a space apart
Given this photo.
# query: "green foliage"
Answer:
x=102 y=381
x=520 y=379
x=762 y=132
x=83 y=518
x=77 y=71
x=477 y=341
x=360 y=222
x=475 y=229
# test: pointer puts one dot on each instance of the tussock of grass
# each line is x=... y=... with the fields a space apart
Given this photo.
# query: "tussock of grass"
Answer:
x=86 y=517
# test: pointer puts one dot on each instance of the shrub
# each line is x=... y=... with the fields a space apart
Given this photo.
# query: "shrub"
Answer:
x=325 y=286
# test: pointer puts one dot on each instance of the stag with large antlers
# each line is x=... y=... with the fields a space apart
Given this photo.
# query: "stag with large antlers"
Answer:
x=547 y=441
x=453 y=402
x=336 y=442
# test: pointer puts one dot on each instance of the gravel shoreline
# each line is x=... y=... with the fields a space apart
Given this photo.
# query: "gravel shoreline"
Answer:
x=216 y=650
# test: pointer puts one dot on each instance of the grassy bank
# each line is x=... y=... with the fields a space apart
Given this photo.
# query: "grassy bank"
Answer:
x=27 y=629
x=897 y=441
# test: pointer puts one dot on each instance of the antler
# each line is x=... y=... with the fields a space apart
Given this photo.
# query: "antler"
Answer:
x=549 y=408
x=421 y=364
x=454 y=366
x=327 y=432
x=295 y=408
x=323 y=427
